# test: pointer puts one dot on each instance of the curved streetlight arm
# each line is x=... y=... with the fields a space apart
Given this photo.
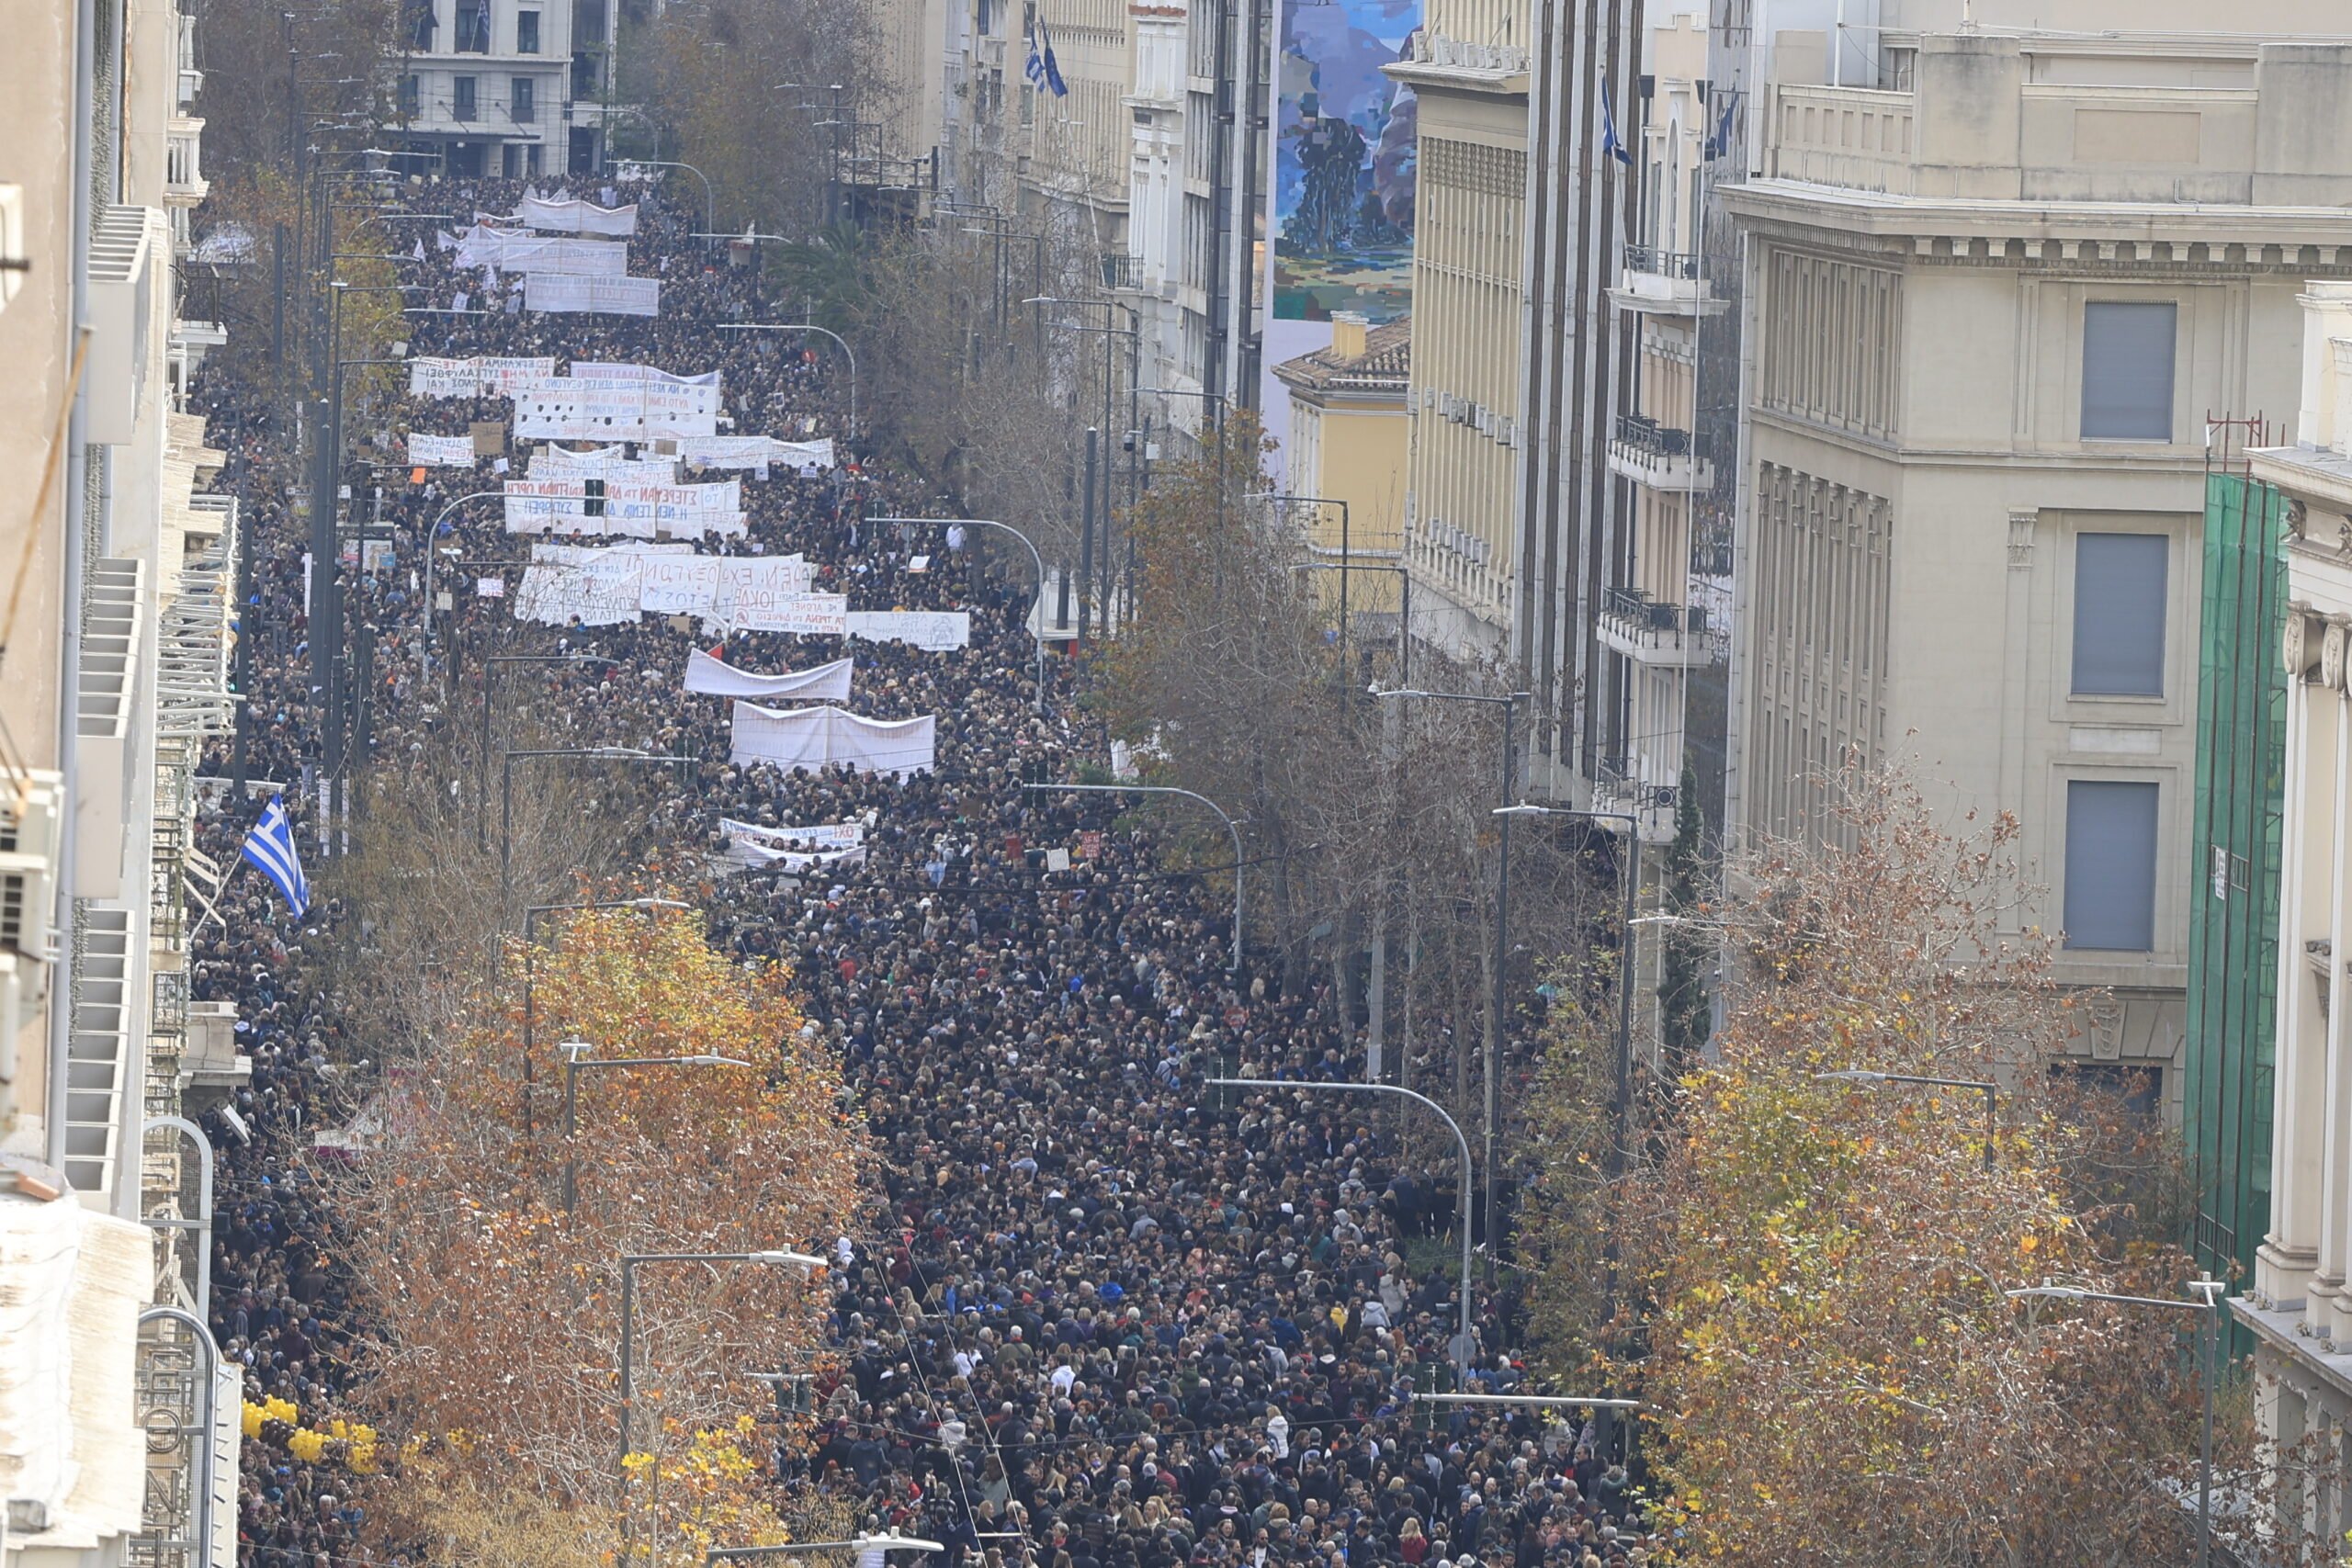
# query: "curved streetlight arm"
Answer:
x=1040 y=704
x=1990 y=1090
x=809 y=1266
x=1462 y=1147
x=206 y=1438
x=1231 y=826
x=202 y=1223
x=432 y=534
x=709 y=203
x=847 y=352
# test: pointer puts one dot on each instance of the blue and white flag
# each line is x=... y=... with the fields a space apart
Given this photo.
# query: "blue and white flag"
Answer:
x=1719 y=143
x=1042 y=69
x=1611 y=144
x=270 y=847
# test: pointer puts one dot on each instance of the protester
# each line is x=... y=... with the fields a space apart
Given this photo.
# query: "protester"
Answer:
x=1101 y=1315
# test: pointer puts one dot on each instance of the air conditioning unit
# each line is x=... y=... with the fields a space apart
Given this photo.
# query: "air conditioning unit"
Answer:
x=30 y=808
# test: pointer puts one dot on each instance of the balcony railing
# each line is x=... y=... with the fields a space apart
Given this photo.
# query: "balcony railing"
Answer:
x=1619 y=778
x=1648 y=615
x=1644 y=434
x=1681 y=265
x=1120 y=272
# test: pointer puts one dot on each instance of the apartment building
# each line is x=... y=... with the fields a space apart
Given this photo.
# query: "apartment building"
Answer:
x=1991 y=300
x=506 y=88
x=1470 y=70
x=116 y=669
x=1348 y=412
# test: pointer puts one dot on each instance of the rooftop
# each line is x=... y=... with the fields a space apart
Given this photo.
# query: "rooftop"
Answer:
x=1383 y=367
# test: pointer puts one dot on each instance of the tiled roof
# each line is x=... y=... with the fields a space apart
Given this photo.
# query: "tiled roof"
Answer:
x=1383 y=367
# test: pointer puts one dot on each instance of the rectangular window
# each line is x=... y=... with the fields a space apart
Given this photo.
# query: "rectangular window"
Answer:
x=410 y=95
x=2119 y=614
x=473 y=27
x=2110 y=866
x=525 y=103
x=526 y=32
x=2127 y=370
x=461 y=98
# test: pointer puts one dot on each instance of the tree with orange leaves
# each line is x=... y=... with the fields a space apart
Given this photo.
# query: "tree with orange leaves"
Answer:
x=497 y=1310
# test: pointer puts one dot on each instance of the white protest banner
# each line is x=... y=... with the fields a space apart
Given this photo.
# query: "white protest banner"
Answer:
x=755 y=452
x=830 y=835
x=484 y=246
x=760 y=594
x=577 y=218
x=817 y=737
x=600 y=370
x=599 y=592
x=749 y=854
x=441 y=451
x=680 y=584
x=603 y=463
x=935 y=631
x=712 y=677
x=504 y=375
x=430 y=377
x=572 y=293
x=636 y=511
x=561 y=409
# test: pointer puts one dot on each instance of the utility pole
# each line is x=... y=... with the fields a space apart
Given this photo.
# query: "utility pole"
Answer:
x=1086 y=537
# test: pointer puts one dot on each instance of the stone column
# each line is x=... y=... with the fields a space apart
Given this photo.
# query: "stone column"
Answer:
x=2326 y=1310
x=2283 y=1265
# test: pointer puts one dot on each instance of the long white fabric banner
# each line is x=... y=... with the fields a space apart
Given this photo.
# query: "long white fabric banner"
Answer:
x=441 y=451
x=561 y=408
x=572 y=293
x=605 y=463
x=935 y=631
x=830 y=836
x=513 y=251
x=749 y=854
x=603 y=370
x=631 y=510
x=481 y=378
x=756 y=452
x=671 y=580
x=817 y=737
x=577 y=218
x=716 y=678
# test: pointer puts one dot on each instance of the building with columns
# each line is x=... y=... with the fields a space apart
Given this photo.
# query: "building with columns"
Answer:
x=2300 y=1310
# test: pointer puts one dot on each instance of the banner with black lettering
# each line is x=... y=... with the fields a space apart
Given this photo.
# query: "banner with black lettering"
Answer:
x=562 y=293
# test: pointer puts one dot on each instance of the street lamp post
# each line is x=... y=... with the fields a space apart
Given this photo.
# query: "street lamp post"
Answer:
x=575 y=1060
x=847 y=352
x=1462 y=1147
x=2210 y=1291
x=506 y=797
x=709 y=202
x=629 y=1264
x=1231 y=826
x=1509 y=702
x=1287 y=500
x=432 y=534
x=1133 y=333
x=530 y=958
x=1036 y=558
x=1990 y=1091
x=482 y=755
x=1403 y=605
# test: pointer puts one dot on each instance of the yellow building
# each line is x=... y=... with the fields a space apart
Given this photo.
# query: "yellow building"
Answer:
x=1348 y=433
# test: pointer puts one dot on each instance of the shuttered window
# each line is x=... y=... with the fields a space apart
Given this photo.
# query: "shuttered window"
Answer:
x=2119 y=614
x=2127 y=370
x=2110 y=865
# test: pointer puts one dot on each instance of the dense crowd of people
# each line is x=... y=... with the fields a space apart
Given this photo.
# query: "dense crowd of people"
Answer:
x=1105 y=1315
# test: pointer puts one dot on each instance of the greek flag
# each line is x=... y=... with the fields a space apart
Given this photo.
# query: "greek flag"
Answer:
x=270 y=847
x=1042 y=69
x=1611 y=144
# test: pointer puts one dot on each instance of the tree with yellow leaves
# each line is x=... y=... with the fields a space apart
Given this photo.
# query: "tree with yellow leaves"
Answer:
x=1811 y=1290
x=497 y=1309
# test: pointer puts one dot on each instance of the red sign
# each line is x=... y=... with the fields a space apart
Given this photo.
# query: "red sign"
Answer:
x=1090 y=843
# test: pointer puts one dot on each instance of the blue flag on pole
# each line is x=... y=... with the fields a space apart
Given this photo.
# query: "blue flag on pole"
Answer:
x=1719 y=143
x=1041 y=68
x=270 y=847
x=1611 y=144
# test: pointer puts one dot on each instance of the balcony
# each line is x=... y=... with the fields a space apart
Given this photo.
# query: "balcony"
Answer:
x=1671 y=637
x=1657 y=455
x=1121 y=272
x=1618 y=785
x=1664 y=283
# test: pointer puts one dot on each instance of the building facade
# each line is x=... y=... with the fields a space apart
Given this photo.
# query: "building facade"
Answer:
x=2299 y=1310
x=1348 y=411
x=1988 y=317
x=116 y=669
x=505 y=88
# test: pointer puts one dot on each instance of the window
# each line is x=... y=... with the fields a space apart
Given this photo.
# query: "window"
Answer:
x=523 y=104
x=2110 y=866
x=461 y=98
x=2127 y=371
x=421 y=25
x=473 y=27
x=410 y=94
x=587 y=21
x=2119 y=614
x=526 y=32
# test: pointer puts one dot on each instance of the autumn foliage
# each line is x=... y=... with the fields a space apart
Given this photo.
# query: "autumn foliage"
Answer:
x=1813 y=1300
x=497 y=1313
